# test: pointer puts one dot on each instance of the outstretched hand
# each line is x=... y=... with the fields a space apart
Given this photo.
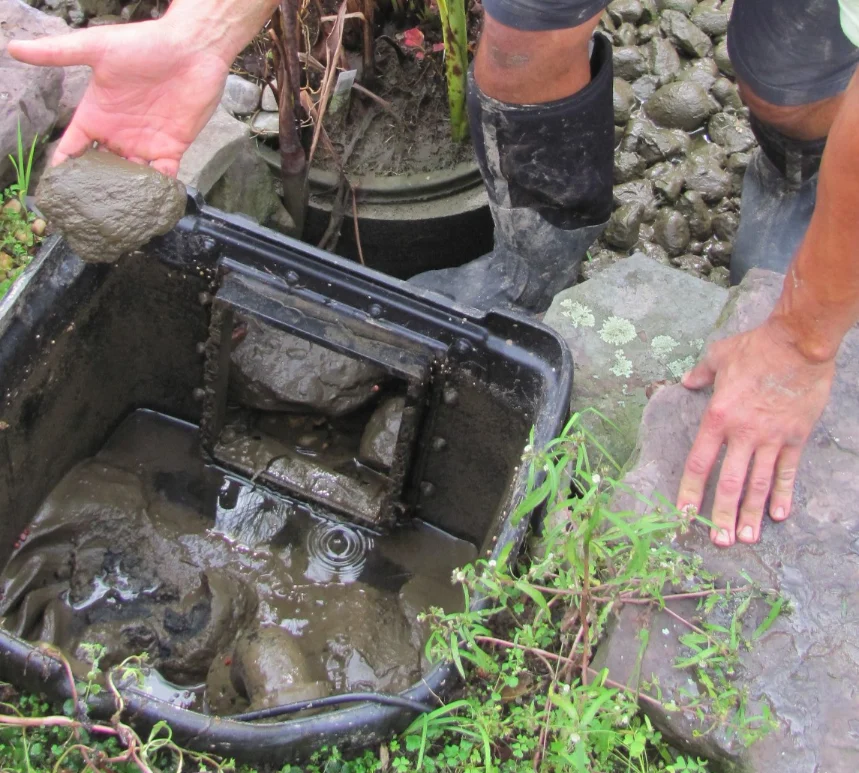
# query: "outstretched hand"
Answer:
x=152 y=90
x=767 y=398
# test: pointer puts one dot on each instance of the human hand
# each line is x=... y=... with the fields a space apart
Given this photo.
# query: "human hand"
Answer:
x=766 y=400
x=154 y=86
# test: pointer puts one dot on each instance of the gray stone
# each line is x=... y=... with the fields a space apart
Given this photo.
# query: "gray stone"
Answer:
x=723 y=60
x=670 y=183
x=380 y=435
x=732 y=133
x=693 y=207
x=704 y=173
x=266 y=124
x=712 y=21
x=624 y=35
x=684 y=34
x=663 y=60
x=656 y=144
x=654 y=251
x=654 y=300
x=624 y=101
x=248 y=188
x=639 y=192
x=625 y=10
x=627 y=166
x=623 y=225
x=737 y=162
x=702 y=71
x=720 y=275
x=32 y=94
x=275 y=371
x=679 y=105
x=672 y=231
x=100 y=7
x=269 y=101
x=804 y=668
x=628 y=62
x=213 y=152
x=683 y=6
x=720 y=253
x=650 y=12
x=106 y=206
x=727 y=94
x=599 y=261
x=644 y=87
x=75 y=82
x=725 y=225
x=697 y=265
x=240 y=95
x=646 y=33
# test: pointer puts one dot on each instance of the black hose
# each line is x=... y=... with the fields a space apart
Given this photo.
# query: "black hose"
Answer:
x=333 y=700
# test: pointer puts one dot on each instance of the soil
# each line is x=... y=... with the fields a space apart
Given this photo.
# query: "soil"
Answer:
x=414 y=134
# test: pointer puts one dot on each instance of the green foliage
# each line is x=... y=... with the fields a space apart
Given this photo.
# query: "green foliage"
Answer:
x=23 y=166
x=532 y=699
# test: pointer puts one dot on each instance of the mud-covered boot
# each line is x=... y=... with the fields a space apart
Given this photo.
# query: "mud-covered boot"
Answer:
x=548 y=171
x=779 y=192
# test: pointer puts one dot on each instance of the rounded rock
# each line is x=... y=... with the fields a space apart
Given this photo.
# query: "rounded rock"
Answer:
x=624 y=35
x=624 y=224
x=727 y=94
x=684 y=34
x=663 y=60
x=712 y=21
x=627 y=166
x=723 y=59
x=655 y=144
x=269 y=101
x=241 y=97
x=625 y=10
x=697 y=265
x=679 y=105
x=628 y=62
x=731 y=133
x=704 y=173
x=693 y=207
x=637 y=191
x=683 y=6
x=720 y=253
x=725 y=226
x=266 y=124
x=624 y=101
x=645 y=87
x=672 y=231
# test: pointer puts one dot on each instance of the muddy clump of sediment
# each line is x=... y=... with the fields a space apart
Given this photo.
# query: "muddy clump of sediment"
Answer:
x=106 y=206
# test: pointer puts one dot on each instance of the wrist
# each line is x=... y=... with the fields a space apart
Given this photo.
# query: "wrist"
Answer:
x=218 y=27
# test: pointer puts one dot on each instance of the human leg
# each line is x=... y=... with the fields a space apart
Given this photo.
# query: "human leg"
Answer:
x=540 y=109
x=793 y=62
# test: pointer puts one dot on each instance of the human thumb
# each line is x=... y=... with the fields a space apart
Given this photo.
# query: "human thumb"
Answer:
x=702 y=375
x=81 y=47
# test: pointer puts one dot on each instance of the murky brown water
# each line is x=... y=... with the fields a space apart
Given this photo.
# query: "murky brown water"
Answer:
x=239 y=597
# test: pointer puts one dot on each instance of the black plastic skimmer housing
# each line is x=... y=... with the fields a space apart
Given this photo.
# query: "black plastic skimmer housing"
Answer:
x=84 y=345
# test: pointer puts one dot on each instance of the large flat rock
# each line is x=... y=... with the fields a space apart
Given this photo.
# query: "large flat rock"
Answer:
x=805 y=668
x=213 y=152
x=633 y=326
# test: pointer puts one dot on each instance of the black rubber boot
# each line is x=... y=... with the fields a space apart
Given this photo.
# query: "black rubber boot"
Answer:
x=548 y=171
x=779 y=192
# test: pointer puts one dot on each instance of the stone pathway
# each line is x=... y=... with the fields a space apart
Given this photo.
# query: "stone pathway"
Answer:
x=805 y=667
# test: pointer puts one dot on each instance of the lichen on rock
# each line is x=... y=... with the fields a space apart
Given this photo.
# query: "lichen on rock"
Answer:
x=617 y=331
x=579 y=314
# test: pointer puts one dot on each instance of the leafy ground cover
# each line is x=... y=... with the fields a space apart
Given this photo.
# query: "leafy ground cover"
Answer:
x=21 y=231
x=531 y=698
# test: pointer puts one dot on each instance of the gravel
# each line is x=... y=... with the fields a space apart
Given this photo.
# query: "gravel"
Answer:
x=682 y=134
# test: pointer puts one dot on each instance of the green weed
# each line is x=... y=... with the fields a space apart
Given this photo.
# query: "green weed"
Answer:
x=531 y=697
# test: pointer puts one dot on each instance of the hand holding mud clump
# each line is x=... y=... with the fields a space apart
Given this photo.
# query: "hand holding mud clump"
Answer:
x=106 y=206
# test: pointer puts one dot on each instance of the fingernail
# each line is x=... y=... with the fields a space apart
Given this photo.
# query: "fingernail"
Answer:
x=723 y=538
x=778 y=515
x=747 y=534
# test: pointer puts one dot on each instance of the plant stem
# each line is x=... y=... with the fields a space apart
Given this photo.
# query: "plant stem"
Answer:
x=452 y=14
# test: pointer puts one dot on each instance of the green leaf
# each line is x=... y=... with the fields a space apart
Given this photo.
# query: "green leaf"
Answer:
x=775 y=611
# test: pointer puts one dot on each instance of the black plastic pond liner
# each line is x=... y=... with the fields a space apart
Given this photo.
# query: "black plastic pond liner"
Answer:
x=84 y=345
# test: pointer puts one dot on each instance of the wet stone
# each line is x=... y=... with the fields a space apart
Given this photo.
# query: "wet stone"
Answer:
x=684 y=34
x=672 y=231
x=627 y=166
x=644 y=87
x=625 y=10
x=683 y=6
x=701 y=71
x=679 y=105
x=629 y=62
x=803 y=668
x=704 y=173
x=650 y=13
x=599 y=261
x=106 y=206
x=625 y=35
x=730 y=132
x=723 y=60
x=720 y=253
x=663 y=59
x=657 y=144
x=726 y=94
x=637 y=192
x=693 y=264
x=670 y=183
x=725 y=225
x=275 y=371
x=697 y=213
x=738 y=162
x=623 y=225
x=711 y=20
x=624 y=101
x=380 y=436
x=654 y=251
x=615 y=361
x=720 y=275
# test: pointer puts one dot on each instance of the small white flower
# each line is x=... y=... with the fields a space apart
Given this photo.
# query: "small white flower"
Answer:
x=665 y=632
x=596 y=479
